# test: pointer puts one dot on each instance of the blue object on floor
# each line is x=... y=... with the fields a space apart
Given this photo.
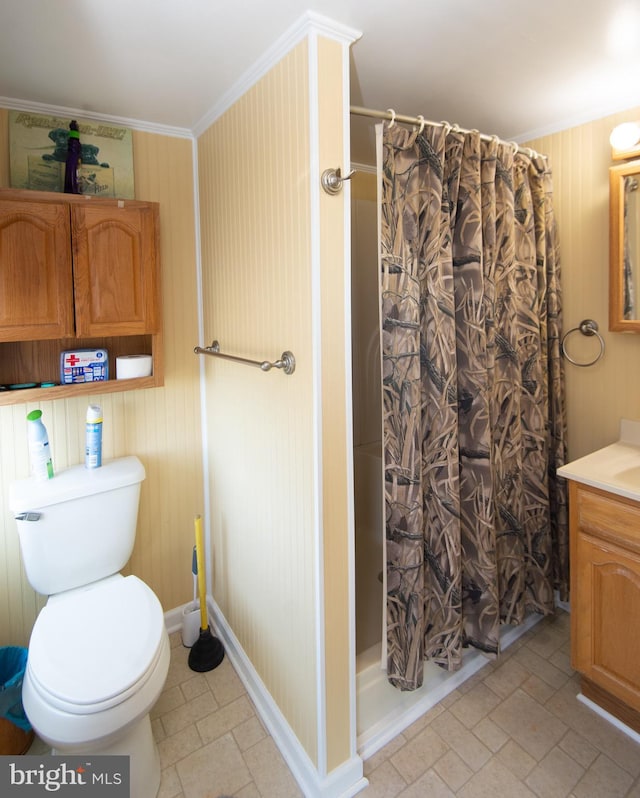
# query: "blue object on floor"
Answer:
x=13 y=663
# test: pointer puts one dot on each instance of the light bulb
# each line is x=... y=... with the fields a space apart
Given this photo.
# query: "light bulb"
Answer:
x=625 y=136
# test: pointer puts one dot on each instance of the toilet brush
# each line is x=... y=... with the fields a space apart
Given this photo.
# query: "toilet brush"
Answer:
x=191 y=612
x=207 y=652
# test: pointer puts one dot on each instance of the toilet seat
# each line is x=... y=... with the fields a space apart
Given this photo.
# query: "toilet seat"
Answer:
x=111 y=636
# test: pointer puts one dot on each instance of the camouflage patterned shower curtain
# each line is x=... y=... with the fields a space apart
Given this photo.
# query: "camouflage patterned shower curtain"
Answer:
x=473 y=396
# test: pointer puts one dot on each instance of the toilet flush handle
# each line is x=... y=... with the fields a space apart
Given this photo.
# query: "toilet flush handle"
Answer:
x=28 y=516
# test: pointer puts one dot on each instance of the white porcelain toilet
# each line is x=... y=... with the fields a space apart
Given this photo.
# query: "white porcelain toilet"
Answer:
x=99 y=650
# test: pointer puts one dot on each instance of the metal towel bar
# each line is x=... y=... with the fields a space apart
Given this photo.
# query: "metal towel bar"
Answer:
x=287 y=361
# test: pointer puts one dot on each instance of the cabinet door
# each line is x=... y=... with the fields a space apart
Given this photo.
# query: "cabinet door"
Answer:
x=115 y=268
x=36 y=294
x=607 y=645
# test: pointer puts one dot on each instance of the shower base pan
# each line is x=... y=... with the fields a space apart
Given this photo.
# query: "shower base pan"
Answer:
x=383 y=712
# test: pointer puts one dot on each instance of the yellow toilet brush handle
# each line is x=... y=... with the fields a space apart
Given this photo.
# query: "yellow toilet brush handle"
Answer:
x=207 y=652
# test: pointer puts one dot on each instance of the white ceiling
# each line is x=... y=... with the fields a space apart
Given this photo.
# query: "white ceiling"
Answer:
x=509 y=67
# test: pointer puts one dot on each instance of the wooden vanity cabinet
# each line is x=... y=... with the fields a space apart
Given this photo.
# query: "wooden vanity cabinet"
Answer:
x=605 y=599
x=76 y=273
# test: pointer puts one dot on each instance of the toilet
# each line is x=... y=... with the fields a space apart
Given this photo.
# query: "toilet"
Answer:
x=99 y=650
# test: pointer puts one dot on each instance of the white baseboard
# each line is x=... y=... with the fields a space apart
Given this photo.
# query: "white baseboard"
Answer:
x=342 y=782
x=609 y=717
x=173 y=619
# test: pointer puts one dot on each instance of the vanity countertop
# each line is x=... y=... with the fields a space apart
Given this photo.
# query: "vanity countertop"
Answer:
x=615 y=468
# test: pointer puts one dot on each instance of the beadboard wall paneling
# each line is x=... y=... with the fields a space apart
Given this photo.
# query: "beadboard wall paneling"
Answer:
x=600 y=395
x=171 y=415
x=253 y=165
x=161 y=425
x=336 y=415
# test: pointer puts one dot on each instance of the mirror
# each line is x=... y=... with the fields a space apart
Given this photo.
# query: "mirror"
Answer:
x=624 y=241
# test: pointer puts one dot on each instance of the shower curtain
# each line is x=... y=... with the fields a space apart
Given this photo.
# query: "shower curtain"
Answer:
x=473 y=400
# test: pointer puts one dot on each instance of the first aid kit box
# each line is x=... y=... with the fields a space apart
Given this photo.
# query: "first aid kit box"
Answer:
x=84 y=365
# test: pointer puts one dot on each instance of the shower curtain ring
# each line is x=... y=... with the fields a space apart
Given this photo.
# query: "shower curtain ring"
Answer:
x=393 y=116
x=422 y=123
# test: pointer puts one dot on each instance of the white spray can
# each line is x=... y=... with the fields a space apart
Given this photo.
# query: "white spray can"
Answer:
x=93 y=437
x=39 y=451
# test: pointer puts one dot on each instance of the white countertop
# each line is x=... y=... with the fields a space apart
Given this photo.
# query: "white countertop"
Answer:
x=615 y=468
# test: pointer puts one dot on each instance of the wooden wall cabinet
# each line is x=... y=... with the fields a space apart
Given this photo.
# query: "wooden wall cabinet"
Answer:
x=605 y=599
x=75 y=273
x=36 y=279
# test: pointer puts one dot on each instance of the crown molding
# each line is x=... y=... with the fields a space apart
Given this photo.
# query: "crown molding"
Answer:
x=592 y=115
x=309 y=24
x=14 y=104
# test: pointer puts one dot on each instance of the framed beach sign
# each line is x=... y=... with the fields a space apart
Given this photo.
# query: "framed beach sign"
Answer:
x=38 y=151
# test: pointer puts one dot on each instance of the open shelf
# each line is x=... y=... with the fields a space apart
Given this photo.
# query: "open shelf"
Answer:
x=39 y=361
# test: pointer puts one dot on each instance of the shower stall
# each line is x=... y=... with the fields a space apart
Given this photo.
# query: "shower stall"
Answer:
x=382 y=710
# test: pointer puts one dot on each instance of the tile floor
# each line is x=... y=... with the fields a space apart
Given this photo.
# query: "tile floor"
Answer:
x=514 y=729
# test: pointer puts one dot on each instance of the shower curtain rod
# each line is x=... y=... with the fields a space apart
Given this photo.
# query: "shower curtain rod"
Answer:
x=419 y=120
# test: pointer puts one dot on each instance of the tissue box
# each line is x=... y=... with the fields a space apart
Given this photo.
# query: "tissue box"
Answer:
x=84 y=365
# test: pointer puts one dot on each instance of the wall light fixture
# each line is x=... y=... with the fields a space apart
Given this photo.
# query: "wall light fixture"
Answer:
x=625 y=141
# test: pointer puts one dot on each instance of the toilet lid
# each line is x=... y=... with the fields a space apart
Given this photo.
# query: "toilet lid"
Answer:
x=92 y=646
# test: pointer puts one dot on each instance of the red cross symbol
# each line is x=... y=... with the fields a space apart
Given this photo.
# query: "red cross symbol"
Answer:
x=72 y=360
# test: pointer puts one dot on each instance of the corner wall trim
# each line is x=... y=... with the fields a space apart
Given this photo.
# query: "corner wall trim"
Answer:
x=309 y=22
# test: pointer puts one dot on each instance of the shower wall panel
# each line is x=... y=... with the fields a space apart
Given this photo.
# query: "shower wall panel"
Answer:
x=367 y=411
x=367 y=389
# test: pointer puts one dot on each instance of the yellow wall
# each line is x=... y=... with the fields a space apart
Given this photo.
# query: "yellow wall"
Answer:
x=160 y=425
x=278 y=444
x=253 y=166
x=597 y=396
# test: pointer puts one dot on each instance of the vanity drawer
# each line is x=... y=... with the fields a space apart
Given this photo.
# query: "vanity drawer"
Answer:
x=610 y=518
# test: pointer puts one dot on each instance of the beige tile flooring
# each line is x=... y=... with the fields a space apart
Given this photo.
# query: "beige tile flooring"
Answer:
x=210 y=739
x=514 y=729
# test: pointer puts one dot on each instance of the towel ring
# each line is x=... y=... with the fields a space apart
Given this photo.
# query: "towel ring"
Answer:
x=586 y=327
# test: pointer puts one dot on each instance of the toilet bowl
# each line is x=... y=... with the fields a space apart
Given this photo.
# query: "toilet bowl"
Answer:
x=98 y=660
x=99 y=651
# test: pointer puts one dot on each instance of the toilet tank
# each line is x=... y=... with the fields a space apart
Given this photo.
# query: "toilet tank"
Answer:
x=79 y=526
